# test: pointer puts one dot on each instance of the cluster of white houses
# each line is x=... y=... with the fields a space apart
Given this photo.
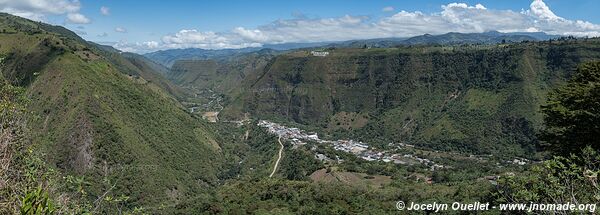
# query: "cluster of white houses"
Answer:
x=299 y=137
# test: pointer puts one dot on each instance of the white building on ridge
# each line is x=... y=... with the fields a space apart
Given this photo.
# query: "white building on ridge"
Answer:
x=319 y=53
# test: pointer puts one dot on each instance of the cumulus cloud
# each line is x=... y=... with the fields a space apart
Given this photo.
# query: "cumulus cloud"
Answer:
x=77 y=18
x=453 y=17
x=387 y=9
x=310 y=30
x=138 y=47
x=105 y=10
x=39 y=9
x=151 y=44
x=251 y=35
x=542 y=11
x=103 y=34
x=120 y=30
x=206 y=40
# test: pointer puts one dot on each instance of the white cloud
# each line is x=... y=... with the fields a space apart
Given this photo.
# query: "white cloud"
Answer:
x=151 y=44
x=310 y=30
x=453 y=17
x=77 y=18
x=387 y=9
x=24 y=14
x=206 y=40
x=138 y=47
x=120 y=30
x=105 y=10
x=252 y=35
x=539 y=9
x=104 y=34
x=130 y=47
x=39 y=9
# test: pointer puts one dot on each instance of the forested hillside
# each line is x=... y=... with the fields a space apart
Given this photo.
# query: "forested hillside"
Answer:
x=87 y=129
x=106 y=123
x=471 y=98
x=223 y=76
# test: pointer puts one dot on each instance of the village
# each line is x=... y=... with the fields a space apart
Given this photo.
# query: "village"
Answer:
x=360 y=149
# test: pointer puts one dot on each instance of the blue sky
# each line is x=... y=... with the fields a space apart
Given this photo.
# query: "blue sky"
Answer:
x=150 y=25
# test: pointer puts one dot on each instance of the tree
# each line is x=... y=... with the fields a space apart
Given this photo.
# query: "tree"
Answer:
x=556 y=181
x=572 y=115
x=572 y=119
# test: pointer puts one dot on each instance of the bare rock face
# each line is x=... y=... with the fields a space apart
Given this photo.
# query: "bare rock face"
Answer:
x=81 y=140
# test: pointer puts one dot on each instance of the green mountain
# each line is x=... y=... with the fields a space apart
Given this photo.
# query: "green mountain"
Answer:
x=469 y=38
x=452 y=38
x=222 y=76
x=106 y=132
x=478 y=99
x=108 y=119
x=171 y=56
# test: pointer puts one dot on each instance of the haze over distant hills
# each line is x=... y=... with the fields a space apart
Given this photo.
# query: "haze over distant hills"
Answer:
x=168 y=57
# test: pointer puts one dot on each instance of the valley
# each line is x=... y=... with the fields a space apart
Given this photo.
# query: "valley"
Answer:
x=437 y=115
x=299 y=138
x=400 y=154
x=325 y=127
x=418 y=95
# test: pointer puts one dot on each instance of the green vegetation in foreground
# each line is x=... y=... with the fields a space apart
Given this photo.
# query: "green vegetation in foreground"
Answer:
x=301 y=197
x=573 y=113
x=559 y=180
x=572 y=121
x=85 y=130
x=114 y=139
x=15 y=181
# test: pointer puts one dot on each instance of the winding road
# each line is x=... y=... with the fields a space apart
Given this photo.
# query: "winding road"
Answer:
x=278 y=159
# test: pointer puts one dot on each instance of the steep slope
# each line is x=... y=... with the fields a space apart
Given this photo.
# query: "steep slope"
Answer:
x=107 y=118
x=223 y=76
x=169 y=57
x=193 y=72
x=478 y=99
x=140 y=66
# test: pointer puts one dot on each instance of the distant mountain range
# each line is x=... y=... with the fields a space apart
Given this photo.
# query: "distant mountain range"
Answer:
x=168 y=57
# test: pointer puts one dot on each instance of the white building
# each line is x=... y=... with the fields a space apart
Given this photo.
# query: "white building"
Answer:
x=319 y=53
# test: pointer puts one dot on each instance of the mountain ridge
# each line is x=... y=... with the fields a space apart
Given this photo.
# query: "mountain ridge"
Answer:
x=106 y=118
x=168 y=57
